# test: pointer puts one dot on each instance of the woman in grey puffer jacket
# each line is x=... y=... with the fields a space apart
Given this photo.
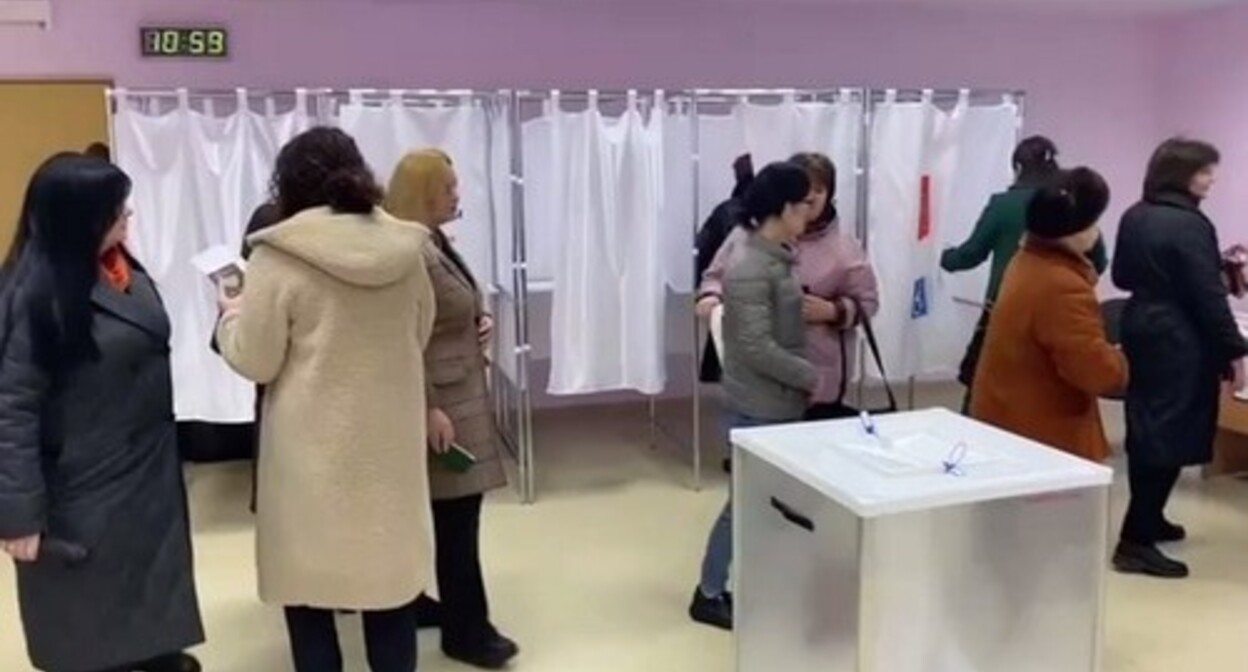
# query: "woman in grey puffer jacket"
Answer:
x=767 y=379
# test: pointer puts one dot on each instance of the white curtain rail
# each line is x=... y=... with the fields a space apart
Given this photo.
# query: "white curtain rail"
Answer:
x=527 y=95
x=778 y=91
x=685 y=94
x=208 y=93
x=602 y=95
x=380 y=94
x=977 y=96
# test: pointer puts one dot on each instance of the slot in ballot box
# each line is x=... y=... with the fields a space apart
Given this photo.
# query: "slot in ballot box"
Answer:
x=939 y=544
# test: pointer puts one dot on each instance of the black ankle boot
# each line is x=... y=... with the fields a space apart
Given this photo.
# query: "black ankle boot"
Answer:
x=1169 y=532
x=1135 y=558
x=713 y=611
x=492 y=654
x=174 y=662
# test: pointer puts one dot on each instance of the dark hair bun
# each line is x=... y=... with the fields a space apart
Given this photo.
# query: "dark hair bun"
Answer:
x=352 y=190
x=776 y=186
x=1035 y=159
x=1067 y=203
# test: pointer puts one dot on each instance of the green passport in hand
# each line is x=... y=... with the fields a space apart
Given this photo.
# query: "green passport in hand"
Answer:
x=457 y=459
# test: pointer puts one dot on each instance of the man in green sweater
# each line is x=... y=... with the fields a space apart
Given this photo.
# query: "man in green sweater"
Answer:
x=998 y=234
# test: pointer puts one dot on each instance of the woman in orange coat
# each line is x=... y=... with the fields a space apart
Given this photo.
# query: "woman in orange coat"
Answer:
x=1046 y=359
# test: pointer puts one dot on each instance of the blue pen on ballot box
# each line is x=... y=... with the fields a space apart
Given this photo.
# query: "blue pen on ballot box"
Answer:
x=868 y=424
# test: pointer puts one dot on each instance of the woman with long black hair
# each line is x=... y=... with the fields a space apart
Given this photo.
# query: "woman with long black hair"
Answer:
x=92 y=501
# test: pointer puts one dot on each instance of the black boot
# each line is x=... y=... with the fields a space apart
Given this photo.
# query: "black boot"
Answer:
x=492 y=654
x=1135 y=558
x=174 y=662
x=713 y=611
x=1169 y=532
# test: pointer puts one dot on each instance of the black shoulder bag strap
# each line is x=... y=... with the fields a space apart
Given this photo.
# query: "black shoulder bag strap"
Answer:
x=873 y=344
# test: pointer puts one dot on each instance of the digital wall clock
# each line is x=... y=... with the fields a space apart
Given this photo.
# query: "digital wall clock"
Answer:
x=184 y=42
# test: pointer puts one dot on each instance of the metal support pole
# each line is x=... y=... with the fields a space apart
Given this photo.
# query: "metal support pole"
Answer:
x=695 y=163
x=520 y=283
x=863 y=222
x=652 y=408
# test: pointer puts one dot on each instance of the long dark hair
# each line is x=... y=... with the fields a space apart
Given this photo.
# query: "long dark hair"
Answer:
x=71 y=204
x=323 y=167
x=1035 y=161
x=1175 y=163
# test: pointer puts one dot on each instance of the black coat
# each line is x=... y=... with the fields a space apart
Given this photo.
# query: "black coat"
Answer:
x=723 y=219
x=1177 y=330
x=91 y=459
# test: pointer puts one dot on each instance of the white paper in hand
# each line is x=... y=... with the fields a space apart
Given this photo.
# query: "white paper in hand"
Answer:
x=223 y=266
x=217 y=258
x=717 y=330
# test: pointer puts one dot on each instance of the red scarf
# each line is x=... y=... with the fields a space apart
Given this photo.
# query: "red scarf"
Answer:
x=115 y=268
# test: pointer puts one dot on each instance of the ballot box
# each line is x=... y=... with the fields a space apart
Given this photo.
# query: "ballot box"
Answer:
x=933 y=543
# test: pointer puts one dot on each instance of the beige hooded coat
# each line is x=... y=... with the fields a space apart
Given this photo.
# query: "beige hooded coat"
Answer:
x=335 y=317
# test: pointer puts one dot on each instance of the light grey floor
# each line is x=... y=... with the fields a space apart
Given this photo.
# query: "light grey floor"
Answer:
x=596 y=576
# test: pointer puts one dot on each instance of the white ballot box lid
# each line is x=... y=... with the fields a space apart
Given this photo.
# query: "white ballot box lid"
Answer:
x=916 y=461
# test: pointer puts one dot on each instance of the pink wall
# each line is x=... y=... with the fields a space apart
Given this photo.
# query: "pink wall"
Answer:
x=1089 y=79
x=1204 y=94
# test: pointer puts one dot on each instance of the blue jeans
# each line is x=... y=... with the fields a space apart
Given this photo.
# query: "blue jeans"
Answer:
x=718 y=558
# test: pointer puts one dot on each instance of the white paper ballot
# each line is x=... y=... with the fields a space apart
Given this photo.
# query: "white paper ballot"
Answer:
x=717 y=330
x=216 y=259
x=223 y=266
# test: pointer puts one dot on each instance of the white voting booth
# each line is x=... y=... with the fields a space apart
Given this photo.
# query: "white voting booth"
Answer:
x=936 y=544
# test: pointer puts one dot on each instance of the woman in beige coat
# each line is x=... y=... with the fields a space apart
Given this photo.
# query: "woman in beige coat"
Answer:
x=334 y=319
x=424 y=189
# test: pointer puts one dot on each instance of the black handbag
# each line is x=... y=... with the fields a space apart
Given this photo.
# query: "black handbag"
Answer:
x=839 y=409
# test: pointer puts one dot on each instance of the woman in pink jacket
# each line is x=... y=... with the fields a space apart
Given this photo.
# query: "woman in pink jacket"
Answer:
x=837 y=277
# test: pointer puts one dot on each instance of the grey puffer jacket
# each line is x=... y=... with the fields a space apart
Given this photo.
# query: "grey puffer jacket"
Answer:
x=766 y=374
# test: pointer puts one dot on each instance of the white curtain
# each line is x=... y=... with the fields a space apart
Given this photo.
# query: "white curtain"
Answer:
x=541 y=210
x=932 y=170
x=604 y=202
x=985 y=141
x=774 y=132
x=679 y=218
x=197 y=178
x=388 y=130
x=899 y=132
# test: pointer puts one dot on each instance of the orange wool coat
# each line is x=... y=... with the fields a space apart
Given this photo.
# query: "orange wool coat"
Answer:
x=1046 y=360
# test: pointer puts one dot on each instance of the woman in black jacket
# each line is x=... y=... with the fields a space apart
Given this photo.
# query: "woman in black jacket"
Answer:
x=92 y=503
x=1180 y=339
x=715 y=230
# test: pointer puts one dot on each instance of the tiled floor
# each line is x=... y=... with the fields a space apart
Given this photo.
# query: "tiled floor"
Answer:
x=595 y=577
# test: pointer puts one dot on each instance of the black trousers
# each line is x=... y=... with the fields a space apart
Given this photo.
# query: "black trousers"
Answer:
x=970 y=360
x=389 y=637
x=1150 y=491
x=465 y=608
